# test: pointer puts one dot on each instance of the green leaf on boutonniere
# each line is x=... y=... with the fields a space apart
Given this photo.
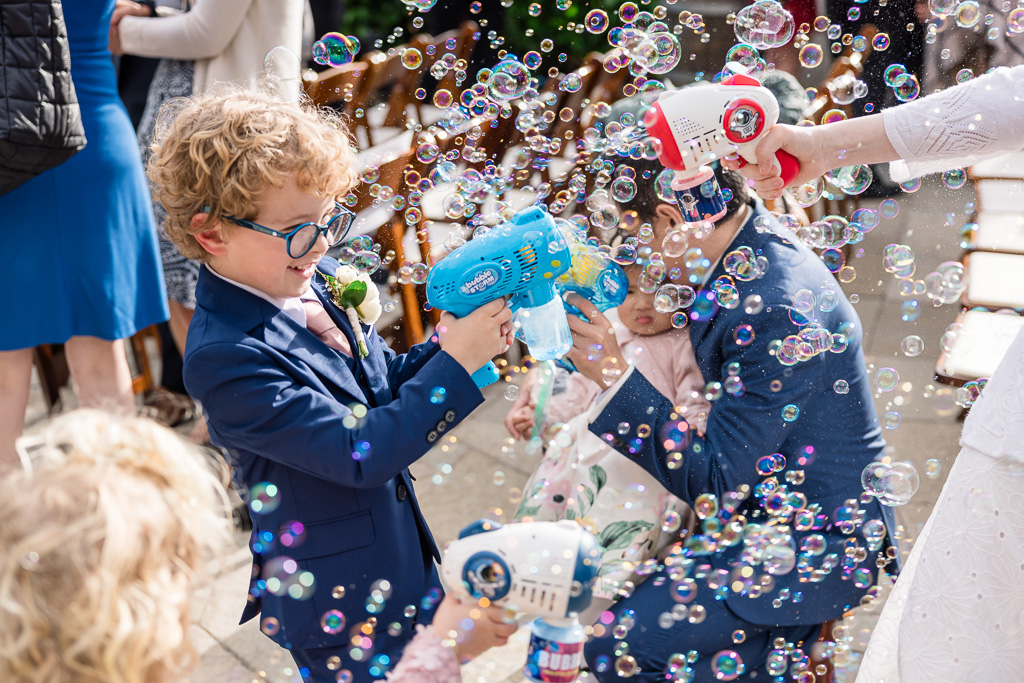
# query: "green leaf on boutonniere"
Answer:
x=353 y=295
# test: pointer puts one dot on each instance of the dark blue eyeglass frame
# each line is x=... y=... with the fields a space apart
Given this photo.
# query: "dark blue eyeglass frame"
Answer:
x=339 y=225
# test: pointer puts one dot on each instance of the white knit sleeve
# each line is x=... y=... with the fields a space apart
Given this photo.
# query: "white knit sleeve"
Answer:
x=959 y=126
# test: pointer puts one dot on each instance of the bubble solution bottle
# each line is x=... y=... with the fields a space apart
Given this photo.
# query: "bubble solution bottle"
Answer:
x=543 y=325
x=556 y=650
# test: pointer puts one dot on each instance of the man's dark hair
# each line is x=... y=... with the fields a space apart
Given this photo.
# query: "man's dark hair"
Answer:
x=646 y=200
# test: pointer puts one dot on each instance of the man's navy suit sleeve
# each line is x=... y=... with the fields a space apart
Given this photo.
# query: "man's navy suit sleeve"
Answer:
x=403 y=367
x=262 y=409
x=740 y=429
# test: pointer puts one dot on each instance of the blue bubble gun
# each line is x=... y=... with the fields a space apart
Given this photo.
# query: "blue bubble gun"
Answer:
x=520 y=259
x=594 y=276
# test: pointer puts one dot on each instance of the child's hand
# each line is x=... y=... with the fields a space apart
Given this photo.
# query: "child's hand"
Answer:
x=479 y=337
x=520 y=418
x=519 y=421
x=595 y=351
x=489 y=627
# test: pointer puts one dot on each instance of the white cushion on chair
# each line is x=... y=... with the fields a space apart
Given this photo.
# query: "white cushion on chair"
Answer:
x=980 y=344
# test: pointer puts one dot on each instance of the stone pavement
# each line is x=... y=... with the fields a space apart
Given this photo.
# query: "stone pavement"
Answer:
x=476 y=472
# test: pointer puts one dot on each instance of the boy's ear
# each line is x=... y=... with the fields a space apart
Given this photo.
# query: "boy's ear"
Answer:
x=210 y=234
x=666 y=217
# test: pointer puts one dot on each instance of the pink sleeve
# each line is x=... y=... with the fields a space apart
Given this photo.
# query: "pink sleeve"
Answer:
x=426 y=660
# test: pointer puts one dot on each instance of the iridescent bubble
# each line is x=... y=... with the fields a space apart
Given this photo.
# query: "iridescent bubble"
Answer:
x=509 y=79
x=932 y=468
x=671 y=521
x=912 y=185
x=572 y=82
x=886 y=379
x=270 y=626
x=264 y=498
x=880 y=42
x=851 y=180
x=511 y=392
x=626 y=666
x=968 y=14
x=954 y=178
x=790 y=412
x=846 y=88
x=1015 y=21
x=811 y=55
x=743 y=335
x=841 y=386
x=623 y=189
x=753 y=304
x=912 y=345
x=889 y=208
x=810 y=192
x=892 y=72
x=727 y=665
x=412 y=58
x=283 y=64
x=906 y=87
x=596 y=21
x=335 y=49
x=964 y=75
x=764 y=24
x=332 y=622
x=899 y=484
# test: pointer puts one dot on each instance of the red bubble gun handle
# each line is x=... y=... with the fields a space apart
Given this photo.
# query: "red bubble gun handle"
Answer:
x=788 y=165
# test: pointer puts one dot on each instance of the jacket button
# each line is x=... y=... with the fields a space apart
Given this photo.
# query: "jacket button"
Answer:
x=402 y=492
x=450 y=416
x=441 y=426
x=431 y=436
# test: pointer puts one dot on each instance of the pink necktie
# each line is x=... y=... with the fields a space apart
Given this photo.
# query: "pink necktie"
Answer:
x=319 y=322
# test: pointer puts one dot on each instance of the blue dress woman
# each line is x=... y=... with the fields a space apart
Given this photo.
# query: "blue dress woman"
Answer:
x=79 y=262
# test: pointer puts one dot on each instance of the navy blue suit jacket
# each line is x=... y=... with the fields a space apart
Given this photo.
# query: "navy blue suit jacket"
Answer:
x=287 y=409
x=842 y=429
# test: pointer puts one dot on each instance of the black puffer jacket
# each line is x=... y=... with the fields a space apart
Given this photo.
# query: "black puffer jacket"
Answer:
x=40 y=122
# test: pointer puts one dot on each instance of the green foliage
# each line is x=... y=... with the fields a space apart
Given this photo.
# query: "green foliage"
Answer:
x=524 y=32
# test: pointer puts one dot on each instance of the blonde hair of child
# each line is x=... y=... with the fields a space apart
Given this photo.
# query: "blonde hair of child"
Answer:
x=105 y=531
x=224 y=148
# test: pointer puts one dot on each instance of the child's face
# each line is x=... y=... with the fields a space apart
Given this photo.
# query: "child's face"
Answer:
x=637 y=311
x=262 y=261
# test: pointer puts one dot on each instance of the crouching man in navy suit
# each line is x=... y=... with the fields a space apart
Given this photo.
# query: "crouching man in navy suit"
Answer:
x=320 y=419
x=788 y=539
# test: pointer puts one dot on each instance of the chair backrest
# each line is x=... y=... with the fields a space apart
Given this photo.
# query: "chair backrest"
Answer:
x=342 y=87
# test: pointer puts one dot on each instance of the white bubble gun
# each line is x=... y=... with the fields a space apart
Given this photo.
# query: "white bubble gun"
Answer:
x=539 y=568
x=704 y=122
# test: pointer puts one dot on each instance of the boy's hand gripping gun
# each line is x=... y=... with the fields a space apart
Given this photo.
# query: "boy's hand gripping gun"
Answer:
x=540 y=568
x=705 y=122
x=521 y=259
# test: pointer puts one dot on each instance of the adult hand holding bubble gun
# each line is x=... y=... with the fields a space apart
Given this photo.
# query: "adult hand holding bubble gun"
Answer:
x=700 y=124
x=817 y=150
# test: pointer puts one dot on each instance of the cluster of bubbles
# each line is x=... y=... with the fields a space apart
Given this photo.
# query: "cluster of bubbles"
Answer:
x=891 y=483
x=643 y=44
x=335 y=49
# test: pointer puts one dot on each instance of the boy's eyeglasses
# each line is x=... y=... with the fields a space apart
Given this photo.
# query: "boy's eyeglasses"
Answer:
x=300 y=239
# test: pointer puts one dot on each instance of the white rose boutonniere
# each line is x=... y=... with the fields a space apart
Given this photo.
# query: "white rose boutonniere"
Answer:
x=354 y=293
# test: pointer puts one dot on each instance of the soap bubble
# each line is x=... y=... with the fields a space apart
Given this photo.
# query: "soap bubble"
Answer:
x=873 y=477
x=753 y=304
x=743 y=335
x=790 y=412
x=906 y=87
x=596 y=21
x=623 y=189
x=1015 y=21
x=851 y=180
x=264 y=498
x=886 y=379
x=954 y=178
x=912 y=345
x=939 y=8
x=899 y=485
x=626 y=666
x=892 y=72
x=810 y=192
x=968 y=14
x=412 y=58
x=964 y=75
x=332 y=622
x=811 y=55
x=764 y=24
x=880 y=42
x=335 y=49
x=727 y=665
x=671 y=521
x=946 y=283
x=891 y=420
x=889 y=208
x=509 y=79
x=846 y=88
x=666 y=299
x=932 y=468
x=675 y=244
x=270 y=626
x=281 y=63
x=511 y=392
x=841 y=386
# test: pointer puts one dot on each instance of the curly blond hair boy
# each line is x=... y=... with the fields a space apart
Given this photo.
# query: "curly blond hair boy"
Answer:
x=106 y=529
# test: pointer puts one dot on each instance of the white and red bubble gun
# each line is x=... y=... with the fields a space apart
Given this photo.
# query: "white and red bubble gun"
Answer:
x=699 y=124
